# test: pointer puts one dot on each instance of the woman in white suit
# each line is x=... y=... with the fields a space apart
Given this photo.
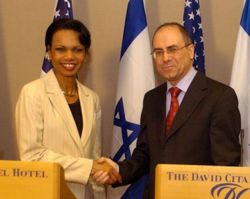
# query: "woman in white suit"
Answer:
x=57 y=117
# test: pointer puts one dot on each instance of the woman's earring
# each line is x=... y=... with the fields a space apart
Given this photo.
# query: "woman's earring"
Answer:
x=47 y=56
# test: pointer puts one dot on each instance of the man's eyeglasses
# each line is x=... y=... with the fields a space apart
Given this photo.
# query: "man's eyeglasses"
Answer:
x=171 y=50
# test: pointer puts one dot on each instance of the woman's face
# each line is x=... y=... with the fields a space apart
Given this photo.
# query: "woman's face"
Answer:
x=66 y=53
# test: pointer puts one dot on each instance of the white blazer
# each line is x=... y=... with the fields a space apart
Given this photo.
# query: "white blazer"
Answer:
x=46 y=131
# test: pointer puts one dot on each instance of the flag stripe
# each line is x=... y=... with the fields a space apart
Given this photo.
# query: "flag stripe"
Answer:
x=240 y=79
x=134 y=24
x=245 y=19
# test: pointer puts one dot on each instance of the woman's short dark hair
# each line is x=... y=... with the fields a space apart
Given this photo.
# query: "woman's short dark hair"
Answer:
x=68 y=24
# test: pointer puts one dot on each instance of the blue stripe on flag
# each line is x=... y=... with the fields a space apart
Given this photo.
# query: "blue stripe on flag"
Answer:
x=135 y=190
x=134 y=24
x=245 y=18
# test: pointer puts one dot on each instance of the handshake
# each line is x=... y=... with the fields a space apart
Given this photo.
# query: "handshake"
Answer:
x=105 y=171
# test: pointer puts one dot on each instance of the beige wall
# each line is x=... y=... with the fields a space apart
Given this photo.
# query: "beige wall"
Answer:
x=22 y=28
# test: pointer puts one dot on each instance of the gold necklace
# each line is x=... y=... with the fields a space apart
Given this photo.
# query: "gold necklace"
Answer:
x=70 y=94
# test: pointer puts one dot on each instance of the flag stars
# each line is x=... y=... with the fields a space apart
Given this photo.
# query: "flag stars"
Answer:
x=192 y=19
x=196 y=56
x=198 y=12
x=201 y=39
x=188 y=3
x=57 y=14
x=68 y=3
x=63 y=10
x=200 y=25
x=193 y=30
x=191 y=16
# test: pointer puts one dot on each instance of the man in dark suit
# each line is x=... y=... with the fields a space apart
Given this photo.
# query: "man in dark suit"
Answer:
x=206 y=127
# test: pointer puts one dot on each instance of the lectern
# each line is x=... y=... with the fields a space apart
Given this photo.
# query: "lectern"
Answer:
x=201 y=182
x=32 y=180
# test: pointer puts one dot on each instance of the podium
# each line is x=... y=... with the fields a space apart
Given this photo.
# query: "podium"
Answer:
x=206 y=182
x=32 y=180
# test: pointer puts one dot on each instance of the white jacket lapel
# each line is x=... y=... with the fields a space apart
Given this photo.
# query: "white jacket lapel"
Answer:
x=61 y=106
x=87 y=112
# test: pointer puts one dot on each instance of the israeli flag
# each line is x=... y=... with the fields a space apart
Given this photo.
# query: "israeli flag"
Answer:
x=136 y=77
x=240 y=78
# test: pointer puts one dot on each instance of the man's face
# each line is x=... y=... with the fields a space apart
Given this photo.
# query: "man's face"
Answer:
x=173 y=57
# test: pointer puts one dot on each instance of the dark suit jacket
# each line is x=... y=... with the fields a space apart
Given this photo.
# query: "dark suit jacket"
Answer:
x=205 y=131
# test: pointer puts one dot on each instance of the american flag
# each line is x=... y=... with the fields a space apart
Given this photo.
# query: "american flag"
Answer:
x=63 y=10
x=192 y=22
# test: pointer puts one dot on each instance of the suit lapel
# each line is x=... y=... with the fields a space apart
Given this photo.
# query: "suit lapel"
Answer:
x=194 y=95
x=161 y=113
x=87 y=112
x=61 y=106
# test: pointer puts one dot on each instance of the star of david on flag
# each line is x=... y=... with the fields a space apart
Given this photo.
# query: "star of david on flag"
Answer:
x=192 y=22
x=121 y=122
x=136 y=77
x=63 y=10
